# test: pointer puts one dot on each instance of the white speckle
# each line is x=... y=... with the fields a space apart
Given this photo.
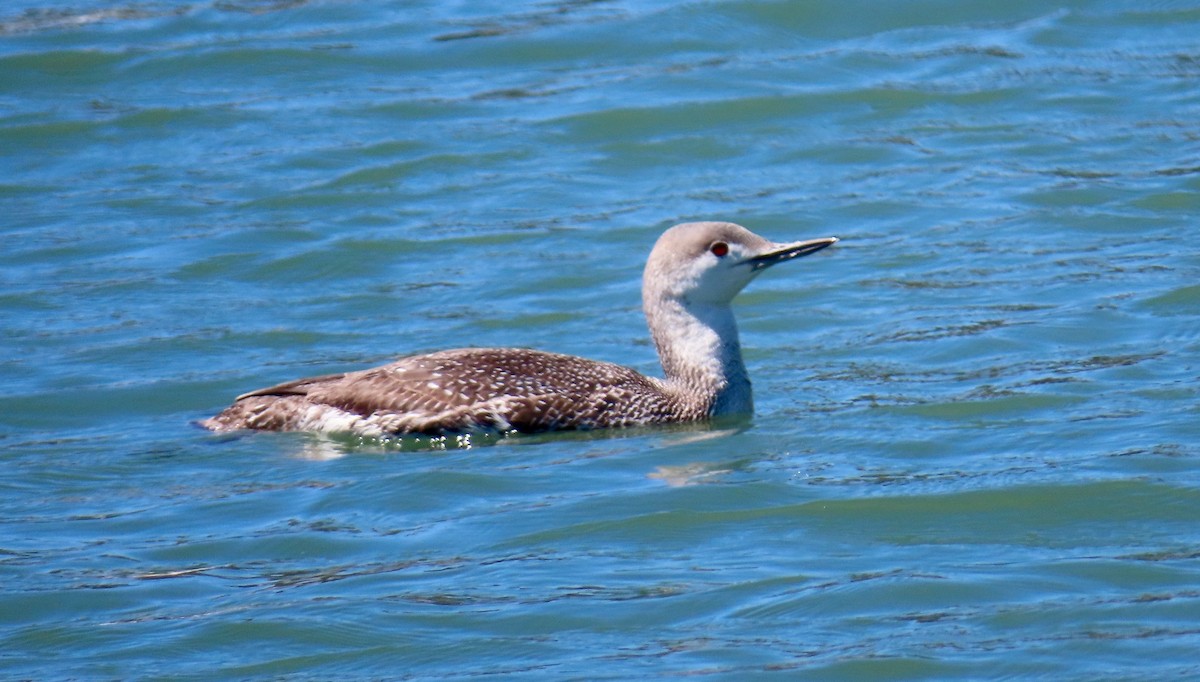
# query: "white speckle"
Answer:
x=433 y=385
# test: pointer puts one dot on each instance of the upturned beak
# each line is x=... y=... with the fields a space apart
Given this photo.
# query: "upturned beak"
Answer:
x=783 y=252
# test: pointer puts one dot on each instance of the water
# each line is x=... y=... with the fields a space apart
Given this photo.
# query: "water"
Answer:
x=975 y=453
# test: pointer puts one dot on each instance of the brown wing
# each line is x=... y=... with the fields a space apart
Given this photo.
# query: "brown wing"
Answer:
x=457 y=390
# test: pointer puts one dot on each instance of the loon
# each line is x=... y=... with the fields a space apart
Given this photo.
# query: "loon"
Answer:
x=693 y=273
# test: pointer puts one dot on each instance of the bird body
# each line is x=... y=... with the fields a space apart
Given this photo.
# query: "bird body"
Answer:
x=692 y=275
x=460 y=390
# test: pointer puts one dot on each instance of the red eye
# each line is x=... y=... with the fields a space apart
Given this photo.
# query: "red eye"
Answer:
x=719 y=249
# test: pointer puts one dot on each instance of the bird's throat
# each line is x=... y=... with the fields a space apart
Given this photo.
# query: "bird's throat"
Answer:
x=700 y=353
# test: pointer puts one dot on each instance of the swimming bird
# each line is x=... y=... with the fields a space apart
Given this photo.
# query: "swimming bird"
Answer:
x=693 y=273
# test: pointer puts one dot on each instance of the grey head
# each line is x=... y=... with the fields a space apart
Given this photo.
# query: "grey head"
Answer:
x=692 y=276
x=710 y=262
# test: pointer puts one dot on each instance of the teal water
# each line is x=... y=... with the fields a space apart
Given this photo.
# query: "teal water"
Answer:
x=976 y=453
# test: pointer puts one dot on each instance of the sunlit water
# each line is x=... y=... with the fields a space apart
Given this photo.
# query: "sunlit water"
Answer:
x=976 y=452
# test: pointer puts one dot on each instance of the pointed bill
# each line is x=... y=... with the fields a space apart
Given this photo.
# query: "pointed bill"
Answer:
x=782 y=252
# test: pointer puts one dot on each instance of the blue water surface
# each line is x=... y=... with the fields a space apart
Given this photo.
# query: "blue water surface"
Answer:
x=976 y=451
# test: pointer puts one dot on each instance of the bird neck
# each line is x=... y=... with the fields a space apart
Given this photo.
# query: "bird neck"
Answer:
x=700 y=353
